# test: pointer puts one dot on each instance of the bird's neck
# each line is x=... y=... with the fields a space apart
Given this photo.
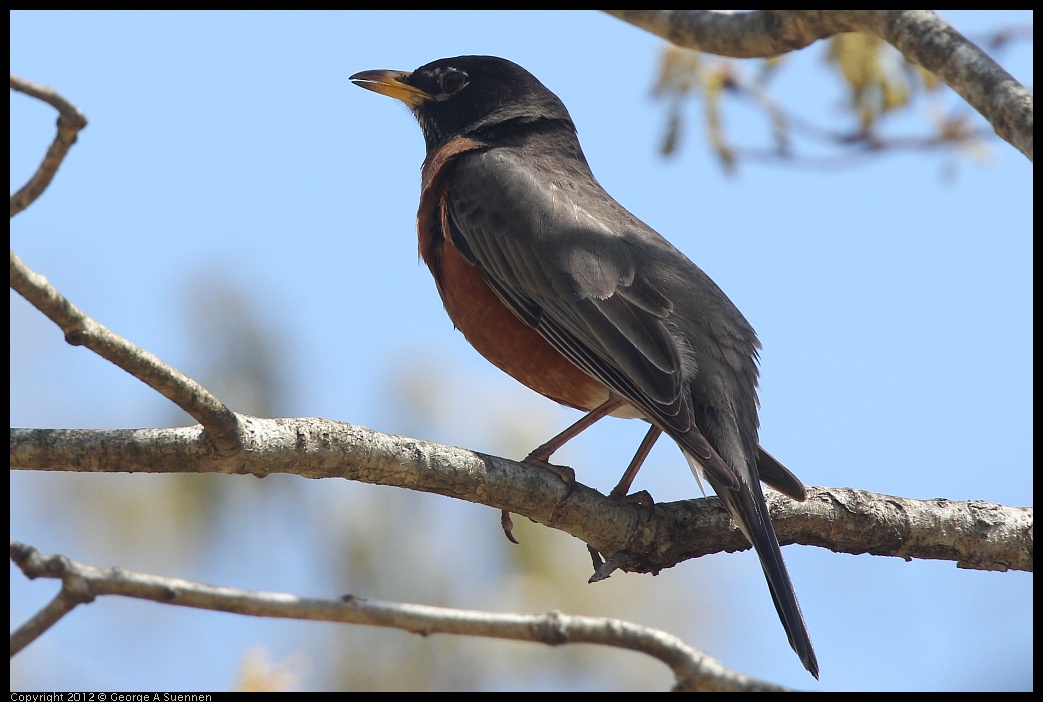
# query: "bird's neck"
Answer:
x=535 y=135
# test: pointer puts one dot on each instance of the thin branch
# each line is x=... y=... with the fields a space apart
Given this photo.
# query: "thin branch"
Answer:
x=693 y=669
x=920 y=36
x=35 y=627
x=854 y=157
x=927 y=40
x=852 y=147
x=70 y=121
x=80 y=330
x=858 y=143
x=976 y=535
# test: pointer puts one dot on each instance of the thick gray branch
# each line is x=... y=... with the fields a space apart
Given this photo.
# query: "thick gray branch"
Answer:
x=921 y=36
x=974 y=534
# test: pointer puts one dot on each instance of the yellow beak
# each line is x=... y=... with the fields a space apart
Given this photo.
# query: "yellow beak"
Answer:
x=392 y=84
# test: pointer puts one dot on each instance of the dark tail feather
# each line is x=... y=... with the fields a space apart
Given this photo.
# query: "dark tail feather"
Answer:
x=746 y=506
x=779 y=476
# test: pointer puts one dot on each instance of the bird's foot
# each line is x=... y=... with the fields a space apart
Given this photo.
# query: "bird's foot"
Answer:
x=595 y=557
x=641 y=498
x=604 y=568
x=567 y=475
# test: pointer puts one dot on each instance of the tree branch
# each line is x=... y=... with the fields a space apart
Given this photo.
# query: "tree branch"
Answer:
x=975 y=534
x=693 y=669
x=70 y=121
x=81 y=330
x=921 y=36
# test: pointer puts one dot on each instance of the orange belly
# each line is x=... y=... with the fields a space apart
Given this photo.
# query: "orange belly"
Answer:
x=504 y=340
x=486 y=322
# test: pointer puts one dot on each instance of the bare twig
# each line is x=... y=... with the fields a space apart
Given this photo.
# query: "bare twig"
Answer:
x=852 y=158
x=976 y=535
x=858 y=143
x=70 y=122
x=920 y=36
x=63 y=603
x=81 y=330
x=693 y=669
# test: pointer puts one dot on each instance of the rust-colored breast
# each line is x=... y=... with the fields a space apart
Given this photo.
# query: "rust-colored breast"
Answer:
x=488 y=325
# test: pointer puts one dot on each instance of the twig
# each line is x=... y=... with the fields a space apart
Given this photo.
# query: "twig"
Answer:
x=693 y=669
x=80 y=330
x=920 y=36
x=70 y=121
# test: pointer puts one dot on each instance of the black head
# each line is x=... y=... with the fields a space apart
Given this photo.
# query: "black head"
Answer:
x=467 y=95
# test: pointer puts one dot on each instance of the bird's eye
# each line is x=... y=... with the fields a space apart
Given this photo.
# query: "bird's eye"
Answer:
x=453 y=81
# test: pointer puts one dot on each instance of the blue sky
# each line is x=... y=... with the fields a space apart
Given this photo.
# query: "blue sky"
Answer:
x=893 y=304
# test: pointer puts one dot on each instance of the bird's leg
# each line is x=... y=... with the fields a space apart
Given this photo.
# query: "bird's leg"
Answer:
x=621 y=491
x=540 y=457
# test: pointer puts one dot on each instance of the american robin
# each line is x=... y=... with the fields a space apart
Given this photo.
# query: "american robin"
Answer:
x=558 y=285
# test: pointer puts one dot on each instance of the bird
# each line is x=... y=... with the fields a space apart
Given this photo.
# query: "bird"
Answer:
x=557 y=284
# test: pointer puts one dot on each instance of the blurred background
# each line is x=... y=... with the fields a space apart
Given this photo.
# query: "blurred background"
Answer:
x=238 y=208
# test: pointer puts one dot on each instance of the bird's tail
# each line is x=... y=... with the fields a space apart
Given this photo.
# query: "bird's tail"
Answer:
x=745 y=504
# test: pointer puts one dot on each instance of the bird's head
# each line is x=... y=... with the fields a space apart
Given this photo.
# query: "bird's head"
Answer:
x=467 y=96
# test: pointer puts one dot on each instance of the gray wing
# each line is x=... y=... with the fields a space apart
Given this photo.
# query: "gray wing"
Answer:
x=569 y=261
x=564 y=257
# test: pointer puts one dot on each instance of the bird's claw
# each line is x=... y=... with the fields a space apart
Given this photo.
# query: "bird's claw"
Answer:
x=567 y=475
x=641 y=498
x=595 y=557
x=508 y=526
